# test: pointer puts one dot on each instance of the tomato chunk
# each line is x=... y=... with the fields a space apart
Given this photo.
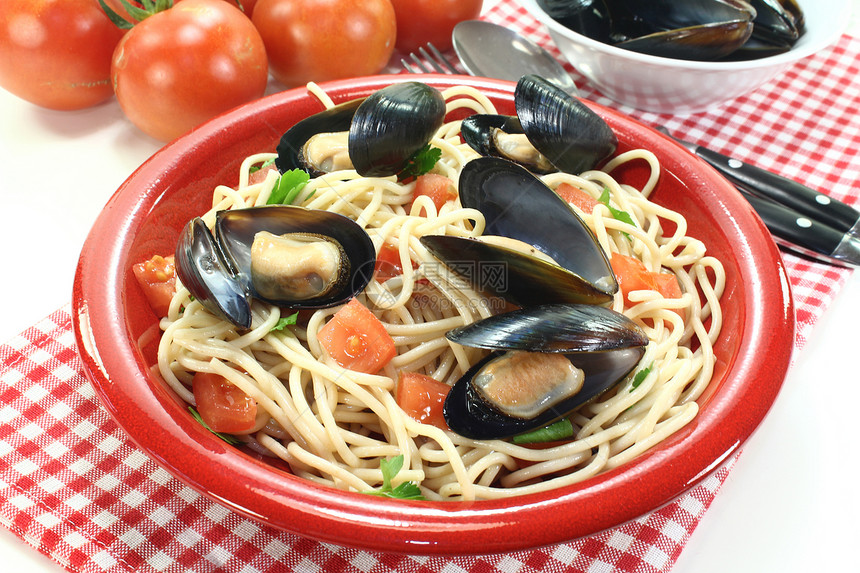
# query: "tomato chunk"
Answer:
x=357 y=340
x=157 y=278
x=577 y=197
x=222 y=405
x=439 y=188
x=422 y=397
x=388 y=263
x=633 y=275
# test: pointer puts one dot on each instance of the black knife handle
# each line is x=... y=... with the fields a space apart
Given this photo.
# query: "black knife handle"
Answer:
x=802 y=199
x=791 y=226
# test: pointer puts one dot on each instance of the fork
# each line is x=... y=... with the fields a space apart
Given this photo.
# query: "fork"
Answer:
x=436 y=60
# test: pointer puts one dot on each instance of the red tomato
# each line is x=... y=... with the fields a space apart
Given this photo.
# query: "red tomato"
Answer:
x=318 y=40
x=222 y=405
x=439 y=188
x=57 y=53
x=183 y=66
x=633 y=275
x=422 y=21
x=422 y=398
x=387 y=263
x=357 y=340
x=577 y=197
x=157 y=278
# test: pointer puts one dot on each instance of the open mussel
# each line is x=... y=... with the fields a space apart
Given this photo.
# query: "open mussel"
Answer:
x=552 y=131
x=569 y=266
x=547 y=361
x=376 y=135
x=285 y=255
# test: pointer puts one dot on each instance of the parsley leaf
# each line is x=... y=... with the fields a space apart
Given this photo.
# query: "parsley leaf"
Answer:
x=288 y=187
x=255 y=168
x=420 y=163
x=618 y=214
x=640 y=377
x=229 y=438
x=406 y=490
x=285 y=321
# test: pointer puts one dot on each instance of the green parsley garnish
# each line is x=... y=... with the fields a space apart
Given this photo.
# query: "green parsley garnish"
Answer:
x=229 y=438
x=640 y=377
x=288 y=187
x=406 y=490
x=559 y=430
x=421 y=162
x=618 y=214
x=255 y=168
x=285 y=321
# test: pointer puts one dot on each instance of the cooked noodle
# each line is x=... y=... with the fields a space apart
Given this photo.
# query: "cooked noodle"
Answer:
x=333 y=425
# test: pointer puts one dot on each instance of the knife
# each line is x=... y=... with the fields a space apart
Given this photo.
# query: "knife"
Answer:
x=800 y=219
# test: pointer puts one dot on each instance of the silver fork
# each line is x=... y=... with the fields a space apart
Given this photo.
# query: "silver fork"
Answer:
x=436 y=60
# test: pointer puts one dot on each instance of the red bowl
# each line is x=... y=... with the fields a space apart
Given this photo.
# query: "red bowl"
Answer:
x=117 y=335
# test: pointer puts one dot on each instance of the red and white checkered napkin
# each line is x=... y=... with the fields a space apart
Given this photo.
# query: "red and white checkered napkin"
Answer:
x=73 y=486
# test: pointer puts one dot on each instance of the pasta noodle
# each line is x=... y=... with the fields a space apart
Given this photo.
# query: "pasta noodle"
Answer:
x=334 y=426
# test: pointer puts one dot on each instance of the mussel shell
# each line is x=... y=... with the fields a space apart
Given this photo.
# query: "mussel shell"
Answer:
x=569 y=134
x=290 y=147
x=699 y=43
x=607 y=348
x=517 y=277
x=235 y=230
x=391 y=125
x=588 y=17
x=778 y=22
x=518 y=205
x=477 y=132
x=209 y=278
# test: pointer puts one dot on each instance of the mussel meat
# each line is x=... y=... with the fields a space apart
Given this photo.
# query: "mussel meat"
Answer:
x=552 y=131
x=547 y=360
x=376 y=135
x=572 y=268
x=281 y=254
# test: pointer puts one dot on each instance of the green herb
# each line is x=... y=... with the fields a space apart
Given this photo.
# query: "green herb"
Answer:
x=255 y=168
x=640 y=377
x=618 y=214
x=285 y=321
x=406 y=490
x=421 y=162
x=560 y=430
x=229 y=438
x=288 y=187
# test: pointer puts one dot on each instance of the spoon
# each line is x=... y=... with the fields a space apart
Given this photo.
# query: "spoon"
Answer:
x=493 y=51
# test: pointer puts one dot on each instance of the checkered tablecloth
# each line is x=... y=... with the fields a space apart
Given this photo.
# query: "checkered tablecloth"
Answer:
x=75 y=487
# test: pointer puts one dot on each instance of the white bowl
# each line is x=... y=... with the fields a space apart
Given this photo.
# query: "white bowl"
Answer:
x=667 y=85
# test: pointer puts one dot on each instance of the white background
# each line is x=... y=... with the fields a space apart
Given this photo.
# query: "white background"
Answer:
x=791 y=504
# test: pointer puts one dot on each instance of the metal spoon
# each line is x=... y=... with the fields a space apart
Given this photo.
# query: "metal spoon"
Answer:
x=493 y=51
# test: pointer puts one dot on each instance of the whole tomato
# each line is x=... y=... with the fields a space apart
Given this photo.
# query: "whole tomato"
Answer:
x=185 y=65
x=56 y=53
x=422 y=21
x=318 y=40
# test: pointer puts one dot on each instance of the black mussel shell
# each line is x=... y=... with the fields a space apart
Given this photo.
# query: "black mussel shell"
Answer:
x=604 y=344
x=518 y=205
x=705 y=42
x=588 y=17
x=209 y=278
x=569 y=134
x=477 y=132
x=291 y=146
x=391 y=125
x=235 y=230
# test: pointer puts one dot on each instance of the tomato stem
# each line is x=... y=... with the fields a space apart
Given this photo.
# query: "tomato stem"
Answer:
x=138 y=11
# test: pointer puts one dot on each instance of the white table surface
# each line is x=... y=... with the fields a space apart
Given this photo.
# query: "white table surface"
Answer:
x=791 y=504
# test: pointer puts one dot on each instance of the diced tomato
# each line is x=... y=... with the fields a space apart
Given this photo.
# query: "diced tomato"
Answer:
x=157 y=278
x=633 y=275
x=439 y=188
x=388 y=263
x=260 y=175
x=222 y=405
x=422 y=397
x=577 y=197
x=357 y=340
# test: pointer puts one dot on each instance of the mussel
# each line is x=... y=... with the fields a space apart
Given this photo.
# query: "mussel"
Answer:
x=701 y=30
x=547 y=360
x=552 y=131
x=518 y=205
x=375 y=135
x=282 y=254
